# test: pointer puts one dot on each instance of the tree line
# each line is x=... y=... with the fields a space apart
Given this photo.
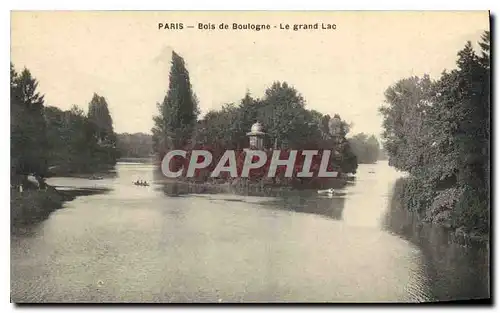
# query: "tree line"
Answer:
x=45 y=139
x=366 y=148
x=281 y=110
x=439 y=132
x=137 y=145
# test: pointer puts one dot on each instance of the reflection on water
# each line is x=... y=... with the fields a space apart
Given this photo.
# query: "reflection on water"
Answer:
x=152 y=244
x=454 y=271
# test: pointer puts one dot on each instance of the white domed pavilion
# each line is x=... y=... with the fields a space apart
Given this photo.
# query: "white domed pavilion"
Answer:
x=256 y=136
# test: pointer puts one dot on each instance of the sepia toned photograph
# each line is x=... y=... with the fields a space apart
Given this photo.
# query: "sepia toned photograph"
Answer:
x=250 y=157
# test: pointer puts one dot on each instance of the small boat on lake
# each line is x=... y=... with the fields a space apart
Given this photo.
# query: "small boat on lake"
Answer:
x=327 y=191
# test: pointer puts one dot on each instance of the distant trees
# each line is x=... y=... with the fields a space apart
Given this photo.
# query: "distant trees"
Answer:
x=439 y=132
x=137 y=145
x=178 y=113
x=366 y=148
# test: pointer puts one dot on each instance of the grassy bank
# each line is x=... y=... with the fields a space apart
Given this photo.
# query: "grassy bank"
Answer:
x=32 y=206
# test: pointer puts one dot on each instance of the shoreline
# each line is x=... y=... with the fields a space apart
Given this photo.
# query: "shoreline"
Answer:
x=243 y=184
x=33 y=206
x=456 y=235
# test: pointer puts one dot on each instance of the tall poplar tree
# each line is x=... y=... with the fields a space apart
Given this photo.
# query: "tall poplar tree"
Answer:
x=178 y=112
x=101 y=120
x=100 y=116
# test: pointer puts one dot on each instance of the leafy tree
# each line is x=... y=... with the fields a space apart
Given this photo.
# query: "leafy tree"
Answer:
x=439 y=132
x=102 y=123
x=466 y=93
x=178 y=112
x=343 y=157
x=485 y=50
x=246 y=116
x=405 y=134
x=284 y=115
x=286 y=121
x=29 y=143
x=217 y=127
x=74 y=146
x=99 y=115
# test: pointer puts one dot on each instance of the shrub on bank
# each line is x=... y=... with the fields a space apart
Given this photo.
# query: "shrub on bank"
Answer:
x=456 y=209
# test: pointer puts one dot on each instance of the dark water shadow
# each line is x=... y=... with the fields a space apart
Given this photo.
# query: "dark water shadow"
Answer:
x=453 y=271
x=71 y=193
x=285 y=199
x=329 y=207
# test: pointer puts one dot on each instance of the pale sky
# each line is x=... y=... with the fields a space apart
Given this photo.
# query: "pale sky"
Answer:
x=125 y=58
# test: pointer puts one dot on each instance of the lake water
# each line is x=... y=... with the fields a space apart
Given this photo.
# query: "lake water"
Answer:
x=138 y=244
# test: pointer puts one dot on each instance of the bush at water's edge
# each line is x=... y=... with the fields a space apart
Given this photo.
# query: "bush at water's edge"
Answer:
x=415 y=207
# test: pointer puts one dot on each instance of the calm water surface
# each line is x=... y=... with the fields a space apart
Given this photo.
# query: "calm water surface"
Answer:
x=138 y=244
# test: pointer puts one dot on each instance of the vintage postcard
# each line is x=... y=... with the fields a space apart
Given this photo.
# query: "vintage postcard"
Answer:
x=250 y=157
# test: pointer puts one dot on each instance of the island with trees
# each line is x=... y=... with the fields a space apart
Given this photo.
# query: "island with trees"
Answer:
x=281 y=110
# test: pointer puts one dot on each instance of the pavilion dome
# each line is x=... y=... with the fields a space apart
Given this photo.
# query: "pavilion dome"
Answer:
x=256 y=128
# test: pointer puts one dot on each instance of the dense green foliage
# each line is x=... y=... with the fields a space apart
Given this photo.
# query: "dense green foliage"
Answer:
x=281 y=111
x=175 y=124
x=75 y=142
x=366 y=148
x=29 y=141
x=47 y=138
x=286 y=121
x=439 y=132
x=138 y=145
